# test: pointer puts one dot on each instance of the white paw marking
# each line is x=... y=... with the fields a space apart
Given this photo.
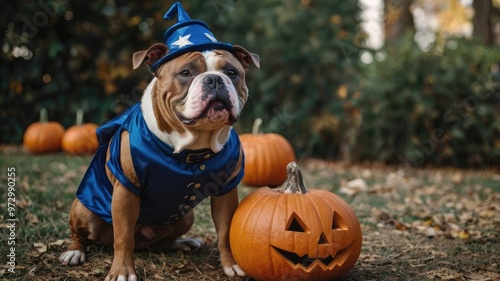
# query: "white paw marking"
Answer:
x=72 y=257
x=132 y=277
x=231 y=270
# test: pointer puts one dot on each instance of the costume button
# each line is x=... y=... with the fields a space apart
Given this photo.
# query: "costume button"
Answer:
x=198 y=185
x=207 y=156
x=203 y=167
x=192 y=198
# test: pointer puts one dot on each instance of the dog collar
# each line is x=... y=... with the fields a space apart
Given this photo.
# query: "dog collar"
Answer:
x=194 y=156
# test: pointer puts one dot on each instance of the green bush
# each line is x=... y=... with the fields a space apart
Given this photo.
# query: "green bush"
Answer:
x=412 y=107
x=65 y=55
x=308 y=50
x=434 y=107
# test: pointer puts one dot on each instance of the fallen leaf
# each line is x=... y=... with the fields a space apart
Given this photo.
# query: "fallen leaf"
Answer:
x=25 y=184
x=359 y=184
x=79 y=274
x=32 y=218
x=369 y=258
x=464 y=234
x=477 y=277
x=31 y=272
x=445 y=274
x=430 y=232
x=347 y=191
x=466 y=217
x=457 y=177
x=58 y=244
x=352 y=187
x=494 y=276
x=59 y=205
x=380 y=215
x=98 y=271
x=23 y=203
x=486 y=214
x=40 y=247
x=400 y=226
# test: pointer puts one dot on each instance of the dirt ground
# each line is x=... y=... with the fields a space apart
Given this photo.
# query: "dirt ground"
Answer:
x=417 y=224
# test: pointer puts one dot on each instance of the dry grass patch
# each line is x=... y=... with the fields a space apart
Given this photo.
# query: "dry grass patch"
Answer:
x=418 y=224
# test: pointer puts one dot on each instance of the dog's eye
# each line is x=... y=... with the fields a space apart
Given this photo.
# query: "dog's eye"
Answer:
x=232 y=74
x=185 y=73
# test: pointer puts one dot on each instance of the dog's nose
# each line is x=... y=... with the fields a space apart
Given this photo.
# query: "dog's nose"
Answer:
x=213 y=81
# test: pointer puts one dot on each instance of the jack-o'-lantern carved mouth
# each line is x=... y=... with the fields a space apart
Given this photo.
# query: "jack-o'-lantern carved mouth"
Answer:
x=328 y=254
x=305 y=261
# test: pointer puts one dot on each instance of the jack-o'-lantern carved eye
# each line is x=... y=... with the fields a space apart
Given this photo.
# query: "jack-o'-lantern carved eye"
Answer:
x=296 y=224
x=338 y=223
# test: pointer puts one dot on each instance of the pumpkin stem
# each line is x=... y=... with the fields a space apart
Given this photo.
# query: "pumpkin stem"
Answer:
x=256 y=126
x=44 y=117
x=79 y=117
x=294 y=182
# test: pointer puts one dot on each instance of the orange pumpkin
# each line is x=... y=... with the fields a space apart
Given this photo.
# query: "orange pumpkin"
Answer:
x=294 y=233
x=43 y=136
x=266 y=157
x=81 y=138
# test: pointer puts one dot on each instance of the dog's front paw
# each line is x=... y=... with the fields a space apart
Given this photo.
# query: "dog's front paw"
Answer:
x=72 y=257
x=124 y=274
x=132 y=277
x=234 y=269
x=187 y=244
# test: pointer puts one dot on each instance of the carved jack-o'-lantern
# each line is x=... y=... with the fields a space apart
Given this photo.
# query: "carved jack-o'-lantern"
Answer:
x=294 y=233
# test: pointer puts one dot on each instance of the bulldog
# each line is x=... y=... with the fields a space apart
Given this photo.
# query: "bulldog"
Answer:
x=162 y=157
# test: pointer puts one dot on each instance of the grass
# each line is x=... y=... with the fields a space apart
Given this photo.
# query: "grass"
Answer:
x=423 y=224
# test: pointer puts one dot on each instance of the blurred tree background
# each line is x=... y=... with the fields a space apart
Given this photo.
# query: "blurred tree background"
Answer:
x=428 y=94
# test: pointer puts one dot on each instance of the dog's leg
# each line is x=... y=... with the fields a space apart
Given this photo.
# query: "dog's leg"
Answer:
x=125 y=206
x=85 y=227
x=75 y=254
x=223 y=208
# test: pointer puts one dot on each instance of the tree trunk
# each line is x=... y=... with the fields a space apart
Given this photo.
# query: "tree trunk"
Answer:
x=483 y=30
x=398 y=19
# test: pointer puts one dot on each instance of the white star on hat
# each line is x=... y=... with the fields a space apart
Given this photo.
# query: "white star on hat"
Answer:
x=183 y=41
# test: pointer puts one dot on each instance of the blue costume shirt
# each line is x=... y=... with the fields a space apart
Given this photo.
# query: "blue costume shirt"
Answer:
x=171 y=184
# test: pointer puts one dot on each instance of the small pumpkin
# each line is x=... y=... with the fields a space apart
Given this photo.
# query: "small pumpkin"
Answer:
x=266 y=157
x=81 y=138
x=43 y=136
x=295 y=234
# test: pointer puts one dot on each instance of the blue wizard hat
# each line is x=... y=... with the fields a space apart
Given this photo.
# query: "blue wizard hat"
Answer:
x=187 y=35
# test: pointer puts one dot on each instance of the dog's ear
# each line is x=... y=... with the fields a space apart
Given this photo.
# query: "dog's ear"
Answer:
x=149 y=56
x=245 y=57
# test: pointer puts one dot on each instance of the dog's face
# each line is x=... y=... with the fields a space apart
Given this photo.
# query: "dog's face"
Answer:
x=196 y=93
x=201 y=90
